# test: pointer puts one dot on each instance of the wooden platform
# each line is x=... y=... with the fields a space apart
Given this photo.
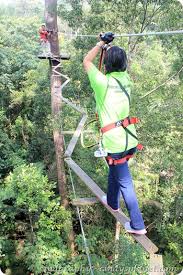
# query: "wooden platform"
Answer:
x=62 y=56
x=84 y=201
x=156 y=265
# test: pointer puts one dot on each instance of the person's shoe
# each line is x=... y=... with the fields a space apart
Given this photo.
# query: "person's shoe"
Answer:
x=129 y=229
x=104 y=200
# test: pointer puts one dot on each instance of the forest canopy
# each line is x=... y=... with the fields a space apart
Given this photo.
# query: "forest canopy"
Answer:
x=34 y=227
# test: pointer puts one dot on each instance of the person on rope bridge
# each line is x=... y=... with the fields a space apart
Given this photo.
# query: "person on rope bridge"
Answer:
x=119 y=140
x=43 y=35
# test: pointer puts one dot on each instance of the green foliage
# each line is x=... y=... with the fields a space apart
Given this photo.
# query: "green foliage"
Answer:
x=29 y=187
x=27 y=200
x=25 y=96
x=26 y=192
x=132 y=257
x=34 y=228
x=49 y=251
x=43 y=256
x=10 y=154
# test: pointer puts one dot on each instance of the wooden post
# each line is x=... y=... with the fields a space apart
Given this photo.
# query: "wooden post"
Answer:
x=156 y=265
x=56 y=95
x=56 y=100
x=117 y=234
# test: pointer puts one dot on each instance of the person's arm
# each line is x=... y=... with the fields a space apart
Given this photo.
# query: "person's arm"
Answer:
x=98 y=80
x=87 y=62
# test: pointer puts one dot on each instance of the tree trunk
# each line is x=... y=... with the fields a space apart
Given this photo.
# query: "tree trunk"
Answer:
x=56 y=99
x=51 y=24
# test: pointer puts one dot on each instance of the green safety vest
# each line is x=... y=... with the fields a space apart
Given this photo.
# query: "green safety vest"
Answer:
x=112 y=105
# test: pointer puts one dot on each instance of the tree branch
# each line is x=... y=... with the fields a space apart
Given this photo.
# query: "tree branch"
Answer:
x=32 y=229
x=145 y=24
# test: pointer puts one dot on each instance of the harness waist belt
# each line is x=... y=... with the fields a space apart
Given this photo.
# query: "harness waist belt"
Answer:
x=123 y=122
x=112 y=161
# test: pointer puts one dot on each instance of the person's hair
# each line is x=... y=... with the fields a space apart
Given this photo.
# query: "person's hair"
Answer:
x=115 y=60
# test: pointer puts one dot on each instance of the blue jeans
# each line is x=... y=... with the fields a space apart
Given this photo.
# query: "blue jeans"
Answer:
x=120 y=180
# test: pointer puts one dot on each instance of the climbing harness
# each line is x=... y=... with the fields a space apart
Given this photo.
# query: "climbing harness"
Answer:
x=112 y=161
x=124 y=123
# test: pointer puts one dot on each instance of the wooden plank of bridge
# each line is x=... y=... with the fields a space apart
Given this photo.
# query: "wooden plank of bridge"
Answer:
x=75 y=137
x=150 y=247
x=84 y=201
x=156 y=265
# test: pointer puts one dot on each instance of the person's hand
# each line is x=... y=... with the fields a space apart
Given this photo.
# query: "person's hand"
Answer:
x=107 y=37
x=100 y=44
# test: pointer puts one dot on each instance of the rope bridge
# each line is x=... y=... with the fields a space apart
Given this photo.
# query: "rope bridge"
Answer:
x=156 y=262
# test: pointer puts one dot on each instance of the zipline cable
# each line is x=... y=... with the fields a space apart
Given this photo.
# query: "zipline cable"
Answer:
x=80 y=220
x=127 y=34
